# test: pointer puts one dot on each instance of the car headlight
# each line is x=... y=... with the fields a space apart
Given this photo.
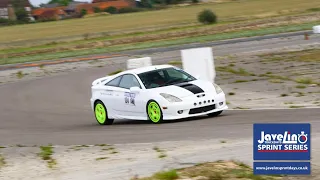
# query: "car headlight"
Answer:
x=218 y=89
x=170 y=98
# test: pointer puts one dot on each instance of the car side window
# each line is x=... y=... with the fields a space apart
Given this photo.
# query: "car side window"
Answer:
x=114 y=82
x=129 y=81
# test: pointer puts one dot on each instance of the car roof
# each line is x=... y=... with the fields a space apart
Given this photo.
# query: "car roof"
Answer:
x=146 y=69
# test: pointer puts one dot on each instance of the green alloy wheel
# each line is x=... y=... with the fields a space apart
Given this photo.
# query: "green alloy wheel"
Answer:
x=101 y=114
x=154 y=112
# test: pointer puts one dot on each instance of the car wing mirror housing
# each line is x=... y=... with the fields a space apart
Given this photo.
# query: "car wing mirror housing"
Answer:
x=135 y=89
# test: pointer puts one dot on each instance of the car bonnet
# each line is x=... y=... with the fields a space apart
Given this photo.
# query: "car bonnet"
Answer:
x=182 y=90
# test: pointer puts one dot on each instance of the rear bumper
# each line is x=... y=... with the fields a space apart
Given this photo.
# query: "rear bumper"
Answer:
x=92 y=103
x=189 y=109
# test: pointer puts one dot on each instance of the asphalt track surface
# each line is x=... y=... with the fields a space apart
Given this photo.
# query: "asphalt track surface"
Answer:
x=57 y=110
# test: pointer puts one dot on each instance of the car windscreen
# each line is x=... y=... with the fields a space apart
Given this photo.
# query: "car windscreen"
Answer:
x=164 y=77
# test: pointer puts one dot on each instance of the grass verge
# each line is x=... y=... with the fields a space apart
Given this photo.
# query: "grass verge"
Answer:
x=171 y=17
x=227 y=170
x=49 y=55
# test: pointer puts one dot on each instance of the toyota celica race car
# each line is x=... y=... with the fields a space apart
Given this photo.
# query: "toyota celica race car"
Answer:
x=154 y=93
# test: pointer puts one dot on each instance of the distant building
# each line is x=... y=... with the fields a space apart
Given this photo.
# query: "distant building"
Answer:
x=49 y=5
x=71 y=8
x=7 y=11
x=43 y=14
x=105 y=4
x=74 y=9
x=54 y=14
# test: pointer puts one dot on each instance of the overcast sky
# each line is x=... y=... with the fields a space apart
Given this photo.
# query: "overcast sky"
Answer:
x=37 y=2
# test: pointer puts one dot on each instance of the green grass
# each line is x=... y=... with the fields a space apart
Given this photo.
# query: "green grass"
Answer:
x=296 y=106
x=241 y=81
x=160 y=151
x=101 y=158
x=275 y=81
x=102 y=145
x=164 y=175
x=2 y=161
x=21 y=145
x=46 y=155
x=162 y=155
x=153 y=44
x=304 y=80
x=175 y=62
x=314 y=9
x=20 y=74
x=172 y=17
x=229 y=69
x=300 y=86
x=218 y=170
x=114 y=152
x=241 y=107
x=115 y=72
x=46 y=152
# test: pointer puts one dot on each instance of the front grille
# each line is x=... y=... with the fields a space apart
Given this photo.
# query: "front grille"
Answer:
x=202 y=109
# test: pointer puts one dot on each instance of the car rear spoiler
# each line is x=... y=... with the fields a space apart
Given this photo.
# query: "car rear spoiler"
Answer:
x=100 y=80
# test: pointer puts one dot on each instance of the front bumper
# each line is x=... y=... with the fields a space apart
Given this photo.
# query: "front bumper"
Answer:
x=188 y=108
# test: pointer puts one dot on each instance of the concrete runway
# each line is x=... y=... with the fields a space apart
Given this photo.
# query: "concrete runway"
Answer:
x=57 y=110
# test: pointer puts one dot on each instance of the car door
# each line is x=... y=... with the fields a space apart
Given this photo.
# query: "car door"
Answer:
x=108 y=94
x=128 y=103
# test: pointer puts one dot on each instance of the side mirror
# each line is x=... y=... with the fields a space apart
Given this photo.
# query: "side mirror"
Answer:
x=135 y=89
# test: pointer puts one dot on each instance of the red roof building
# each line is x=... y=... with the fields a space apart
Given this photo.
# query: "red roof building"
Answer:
x=103 y=5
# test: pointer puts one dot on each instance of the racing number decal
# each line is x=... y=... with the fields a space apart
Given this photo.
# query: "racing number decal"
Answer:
x=129 y=98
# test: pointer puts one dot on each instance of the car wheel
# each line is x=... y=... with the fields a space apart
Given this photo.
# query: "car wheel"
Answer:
x=101 y=114
x=215 y=114
x=154 y=112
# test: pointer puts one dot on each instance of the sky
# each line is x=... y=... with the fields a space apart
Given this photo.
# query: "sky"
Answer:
x=37 y=2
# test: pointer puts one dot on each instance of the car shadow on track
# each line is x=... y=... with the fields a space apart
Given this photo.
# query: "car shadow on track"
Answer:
x=143 y=122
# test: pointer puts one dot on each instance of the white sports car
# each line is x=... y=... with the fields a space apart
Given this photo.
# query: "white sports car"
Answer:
x=154 y=93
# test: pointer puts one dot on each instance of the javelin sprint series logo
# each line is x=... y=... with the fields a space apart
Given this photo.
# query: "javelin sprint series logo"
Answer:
x=281 y=141
x=285 y=142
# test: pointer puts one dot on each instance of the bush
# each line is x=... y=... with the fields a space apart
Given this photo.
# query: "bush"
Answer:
x=111 y=10
x=83 y=12
x=207 y=17
x=146 y=4
x=96 y=9
x=129 y=10
x=5 y=22
x=8 y=22
x=22 y=15
x=195 y=1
